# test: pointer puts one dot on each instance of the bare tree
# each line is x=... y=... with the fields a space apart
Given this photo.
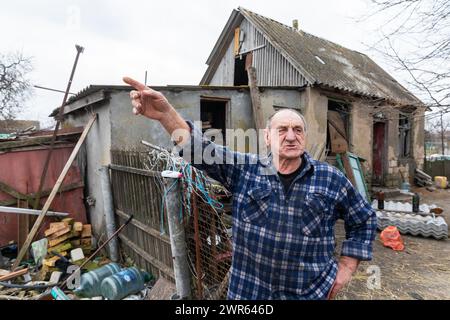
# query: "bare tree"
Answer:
x=415 y=36
x=15 y=88
x=440 y=128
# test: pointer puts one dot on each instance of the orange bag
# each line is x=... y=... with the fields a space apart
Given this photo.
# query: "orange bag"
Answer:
x=391 y=238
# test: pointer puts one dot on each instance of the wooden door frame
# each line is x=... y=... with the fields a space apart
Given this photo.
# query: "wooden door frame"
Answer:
x=384 y=160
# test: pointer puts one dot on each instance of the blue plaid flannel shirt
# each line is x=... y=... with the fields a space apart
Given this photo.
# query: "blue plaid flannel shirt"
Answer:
x=283 y=244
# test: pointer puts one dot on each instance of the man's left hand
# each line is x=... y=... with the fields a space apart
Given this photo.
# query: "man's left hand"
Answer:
x=347 y=266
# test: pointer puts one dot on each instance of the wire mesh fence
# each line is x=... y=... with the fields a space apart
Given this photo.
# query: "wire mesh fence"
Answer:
x=208 y=234
x=138 y=190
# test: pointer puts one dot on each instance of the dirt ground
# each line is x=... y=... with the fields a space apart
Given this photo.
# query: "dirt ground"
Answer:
x=420 y=272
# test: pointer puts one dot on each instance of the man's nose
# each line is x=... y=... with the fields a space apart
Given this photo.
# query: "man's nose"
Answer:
x=290 y=136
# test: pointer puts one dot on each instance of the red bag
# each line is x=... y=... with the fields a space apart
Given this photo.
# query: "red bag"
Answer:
x=391 y=238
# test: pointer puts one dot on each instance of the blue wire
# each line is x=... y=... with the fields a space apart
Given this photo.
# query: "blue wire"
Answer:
x=188 y=186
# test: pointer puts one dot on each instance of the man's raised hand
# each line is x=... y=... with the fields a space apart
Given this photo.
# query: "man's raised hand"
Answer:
x=147 y=102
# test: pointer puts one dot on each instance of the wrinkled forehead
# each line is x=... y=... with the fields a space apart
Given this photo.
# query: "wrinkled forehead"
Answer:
x=287 y=119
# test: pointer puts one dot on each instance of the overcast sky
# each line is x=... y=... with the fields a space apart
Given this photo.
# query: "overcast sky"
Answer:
x=170 y=39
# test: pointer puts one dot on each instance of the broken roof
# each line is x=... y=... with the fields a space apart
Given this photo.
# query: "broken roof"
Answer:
x=94 y=94
x=320 y=61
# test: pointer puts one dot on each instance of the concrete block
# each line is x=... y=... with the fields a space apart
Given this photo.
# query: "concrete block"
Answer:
x=77 y=254
x=55 y=277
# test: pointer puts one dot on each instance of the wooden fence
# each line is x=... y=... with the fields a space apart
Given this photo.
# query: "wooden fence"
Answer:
x=137 y=192
x=438 y=168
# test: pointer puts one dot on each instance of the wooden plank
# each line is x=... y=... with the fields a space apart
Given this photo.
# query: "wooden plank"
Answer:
x=14 y=275
x=53 y=194
x=338 y=143
x=61 y=248
x=61 y=239
x=23 y=225
x=256 y=99
x=44 y=194
x=89 y=100
x=153 y=261
x=25 y=143
x=348 y=169
x=86 y=231
x=237 y=33
x=150 y=231
x=141 y=172
x=78 y=226
x=12 y=192
x=335 y=119
x=60 y=232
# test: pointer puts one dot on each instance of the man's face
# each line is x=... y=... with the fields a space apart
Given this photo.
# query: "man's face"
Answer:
x=286 y=136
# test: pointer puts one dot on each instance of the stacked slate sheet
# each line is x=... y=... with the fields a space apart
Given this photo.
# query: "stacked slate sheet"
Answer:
x=410 y=223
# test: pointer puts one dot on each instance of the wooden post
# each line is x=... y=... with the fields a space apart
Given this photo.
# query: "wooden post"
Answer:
x=348 y=169
x=23 y=226
x=256 y=99
x=52 y=195
x=258 y=114
x=198 y=257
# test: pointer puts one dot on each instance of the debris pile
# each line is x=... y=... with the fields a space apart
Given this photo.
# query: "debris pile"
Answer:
x=66 y=239
x=422 y=179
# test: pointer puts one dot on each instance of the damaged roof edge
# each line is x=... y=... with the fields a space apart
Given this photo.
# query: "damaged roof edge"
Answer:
x=221 y=45
x=95 y=94
x=390 y=101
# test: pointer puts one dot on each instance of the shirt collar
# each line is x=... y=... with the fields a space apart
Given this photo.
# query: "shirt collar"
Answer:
x=267 y=166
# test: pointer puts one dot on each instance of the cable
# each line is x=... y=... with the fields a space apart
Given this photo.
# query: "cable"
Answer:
x=31 y=287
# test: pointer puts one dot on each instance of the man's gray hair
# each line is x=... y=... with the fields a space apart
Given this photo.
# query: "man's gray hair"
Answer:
x=269 y=121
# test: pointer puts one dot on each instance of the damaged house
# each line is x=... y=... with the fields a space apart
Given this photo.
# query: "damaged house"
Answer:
x=350 y=103
x=381 y=121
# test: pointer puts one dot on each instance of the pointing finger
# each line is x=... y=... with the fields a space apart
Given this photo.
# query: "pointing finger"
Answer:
x=136 y=84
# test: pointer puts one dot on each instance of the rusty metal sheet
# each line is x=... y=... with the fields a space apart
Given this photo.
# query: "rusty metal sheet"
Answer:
x=22 y=171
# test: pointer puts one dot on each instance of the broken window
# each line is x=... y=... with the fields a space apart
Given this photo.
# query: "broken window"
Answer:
x=404 y=135
x=213 y=117
x=240 y=73
x=338 y=128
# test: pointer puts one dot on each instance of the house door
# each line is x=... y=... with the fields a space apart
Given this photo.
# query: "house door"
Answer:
x=378 y=152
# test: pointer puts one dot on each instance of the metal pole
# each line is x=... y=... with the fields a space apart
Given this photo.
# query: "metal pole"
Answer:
x=108 y=208
x=177 y=238
x=60 y=116
x=31 y=212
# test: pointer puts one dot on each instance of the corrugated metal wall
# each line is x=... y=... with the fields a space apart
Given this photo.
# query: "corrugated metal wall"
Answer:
x=21 y=170
x=273 y=69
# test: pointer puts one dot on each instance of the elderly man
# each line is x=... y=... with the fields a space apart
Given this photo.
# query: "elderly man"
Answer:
x=283 y=223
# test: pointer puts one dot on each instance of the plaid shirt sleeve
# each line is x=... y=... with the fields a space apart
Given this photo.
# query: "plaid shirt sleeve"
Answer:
x=360 y=223
x=219 y=162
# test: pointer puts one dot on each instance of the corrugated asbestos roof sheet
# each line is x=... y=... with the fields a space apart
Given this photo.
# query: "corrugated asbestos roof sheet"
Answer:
x=326 y=63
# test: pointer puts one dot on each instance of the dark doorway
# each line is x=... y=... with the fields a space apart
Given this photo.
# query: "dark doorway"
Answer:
x=379 y=131
x=339 y=122
x=213 y=116
x=240 y=73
